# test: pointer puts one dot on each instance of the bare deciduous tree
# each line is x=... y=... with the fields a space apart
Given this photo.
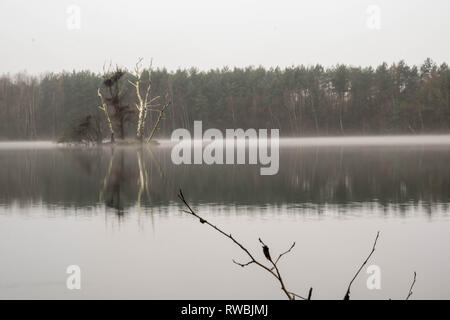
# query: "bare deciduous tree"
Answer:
x=104 y=108
x=145 y=102
x=120 y=111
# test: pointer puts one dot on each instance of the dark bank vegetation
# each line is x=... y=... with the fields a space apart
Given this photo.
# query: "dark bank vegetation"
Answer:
x=299 y=100
x=391 y=180
x=273 y=268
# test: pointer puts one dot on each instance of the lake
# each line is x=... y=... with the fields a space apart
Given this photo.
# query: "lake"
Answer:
x=114 y=212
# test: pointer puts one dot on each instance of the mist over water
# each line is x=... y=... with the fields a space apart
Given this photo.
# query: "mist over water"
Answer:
x=114 y=212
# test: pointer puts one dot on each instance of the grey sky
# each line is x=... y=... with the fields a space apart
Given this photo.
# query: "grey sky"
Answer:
x=208 y=34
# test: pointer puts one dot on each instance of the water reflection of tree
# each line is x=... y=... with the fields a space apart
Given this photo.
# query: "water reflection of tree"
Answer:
x=120 y=176
x=115 y=178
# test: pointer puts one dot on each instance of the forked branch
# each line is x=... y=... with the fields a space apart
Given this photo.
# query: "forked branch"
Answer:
x=253 y=260
x=286 y=252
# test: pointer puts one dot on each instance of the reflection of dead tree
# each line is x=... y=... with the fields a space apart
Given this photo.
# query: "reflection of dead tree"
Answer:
x=108 y=174
x=113 y=190
x=117 y=179
x=143 y=184
x=144 y=181
x=273 y=269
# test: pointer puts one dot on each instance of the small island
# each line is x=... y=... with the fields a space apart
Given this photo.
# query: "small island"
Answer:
x=106 y=124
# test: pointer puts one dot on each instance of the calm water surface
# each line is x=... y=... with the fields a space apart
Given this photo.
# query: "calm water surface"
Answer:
x=114 y=212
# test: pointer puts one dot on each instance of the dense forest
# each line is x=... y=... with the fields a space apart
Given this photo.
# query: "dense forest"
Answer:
x=299 y=100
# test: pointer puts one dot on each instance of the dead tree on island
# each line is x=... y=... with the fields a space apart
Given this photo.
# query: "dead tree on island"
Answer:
x=119 y=113
x=145 y=102
x=104 y=108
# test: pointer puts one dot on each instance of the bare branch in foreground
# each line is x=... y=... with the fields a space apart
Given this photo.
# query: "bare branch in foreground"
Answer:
x=347 y=294
x=273 y=269
x=412 y=286
x=310 y=293
x=276 y=273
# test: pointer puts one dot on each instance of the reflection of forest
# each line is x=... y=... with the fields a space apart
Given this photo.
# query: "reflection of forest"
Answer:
x=124 y=177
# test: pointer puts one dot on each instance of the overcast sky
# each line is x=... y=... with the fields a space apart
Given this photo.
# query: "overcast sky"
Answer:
x=45 y=35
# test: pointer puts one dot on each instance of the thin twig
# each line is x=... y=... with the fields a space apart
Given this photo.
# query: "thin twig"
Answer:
x=242 y=264
x=347 y=294
x=412 y=286
x=286 y=252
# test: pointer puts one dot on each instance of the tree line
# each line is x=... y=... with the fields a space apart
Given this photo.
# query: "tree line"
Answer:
x=299 y=100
